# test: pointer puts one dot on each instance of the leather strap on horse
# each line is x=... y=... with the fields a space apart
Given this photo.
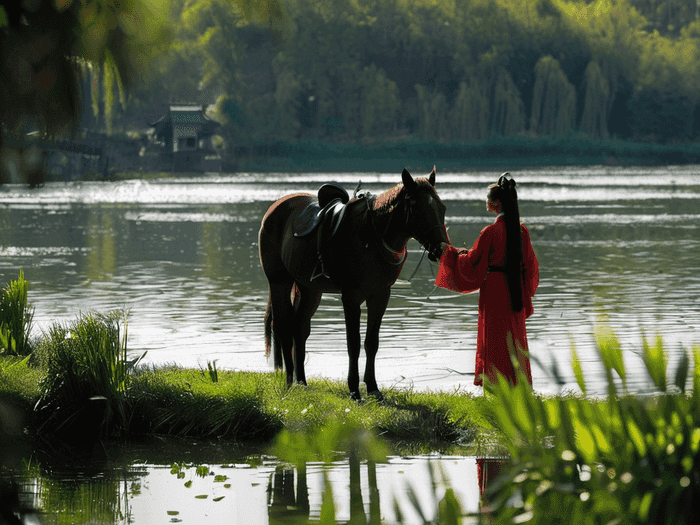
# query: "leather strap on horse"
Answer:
x=387 y=252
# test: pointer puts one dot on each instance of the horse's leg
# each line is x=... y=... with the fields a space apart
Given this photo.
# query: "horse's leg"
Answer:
x=351 y=308
x=283 y=324
x=305 y=307
x=376 y=307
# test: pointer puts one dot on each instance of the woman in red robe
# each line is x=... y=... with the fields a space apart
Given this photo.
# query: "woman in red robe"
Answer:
x=503 y=267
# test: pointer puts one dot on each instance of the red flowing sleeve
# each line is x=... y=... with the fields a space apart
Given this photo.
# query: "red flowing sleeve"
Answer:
x=531 y=277
x=532 y=265
x=465 y=271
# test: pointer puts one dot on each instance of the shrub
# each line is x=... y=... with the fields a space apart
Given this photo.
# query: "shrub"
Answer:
x=623 y=459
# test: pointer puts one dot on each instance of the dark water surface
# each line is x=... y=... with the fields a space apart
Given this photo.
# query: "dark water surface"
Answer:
x=181 y=255
x=615 y=245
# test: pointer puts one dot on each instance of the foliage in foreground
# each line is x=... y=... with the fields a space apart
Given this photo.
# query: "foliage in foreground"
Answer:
x=630 y=459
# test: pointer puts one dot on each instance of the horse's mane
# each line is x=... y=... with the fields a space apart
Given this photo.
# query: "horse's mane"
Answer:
x=385 y=202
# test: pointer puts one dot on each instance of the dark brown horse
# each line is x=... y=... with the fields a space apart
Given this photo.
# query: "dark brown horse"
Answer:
x=361 y=261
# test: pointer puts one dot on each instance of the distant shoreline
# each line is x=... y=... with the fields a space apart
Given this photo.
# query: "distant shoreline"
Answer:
x=497 y=153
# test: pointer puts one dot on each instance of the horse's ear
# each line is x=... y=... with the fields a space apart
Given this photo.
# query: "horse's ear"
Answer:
x=408 y=181
x=431 y=179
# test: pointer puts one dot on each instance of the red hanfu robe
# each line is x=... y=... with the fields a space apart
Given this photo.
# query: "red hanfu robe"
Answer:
x=467 y=271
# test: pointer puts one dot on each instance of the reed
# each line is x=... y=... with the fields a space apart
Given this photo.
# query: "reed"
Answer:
x=85 y=376
x=15 y=318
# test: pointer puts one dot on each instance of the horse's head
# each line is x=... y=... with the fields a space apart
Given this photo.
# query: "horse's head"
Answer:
x=425 y=212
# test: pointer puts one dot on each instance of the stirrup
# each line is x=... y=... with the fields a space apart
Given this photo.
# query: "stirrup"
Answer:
x=319 y=271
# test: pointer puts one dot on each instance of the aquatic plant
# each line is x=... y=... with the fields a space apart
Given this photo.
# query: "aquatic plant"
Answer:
x=622 y=459
x=15 y=318
x=85 y=376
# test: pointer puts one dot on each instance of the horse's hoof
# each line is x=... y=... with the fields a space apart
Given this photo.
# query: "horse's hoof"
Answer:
x=301 y=383
x=355 y=396
x=376 y=394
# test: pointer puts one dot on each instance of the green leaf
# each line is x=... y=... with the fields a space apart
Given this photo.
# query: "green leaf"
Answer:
x=655 y=361
x=610 y=351
x=637 y=437
x=585 y=442
x=644 y=506
x=578 y=371
x=696 y=377
x=682 y=371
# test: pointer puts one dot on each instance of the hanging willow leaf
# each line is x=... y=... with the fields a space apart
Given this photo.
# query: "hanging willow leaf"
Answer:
x=553 y=99
x=594 y=119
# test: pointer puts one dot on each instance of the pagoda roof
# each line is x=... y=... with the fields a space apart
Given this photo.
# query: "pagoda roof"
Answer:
x=185 y=116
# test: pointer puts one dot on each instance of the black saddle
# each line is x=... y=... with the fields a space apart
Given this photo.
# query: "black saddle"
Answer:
x=329 y=210
x=324 y=218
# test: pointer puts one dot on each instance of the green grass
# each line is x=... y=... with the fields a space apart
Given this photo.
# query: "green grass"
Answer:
x=85 y=376
x=19 y=382
x=251 y=406
x=15 y=318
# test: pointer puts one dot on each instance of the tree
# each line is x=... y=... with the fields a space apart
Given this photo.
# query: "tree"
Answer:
x=553 y=100
x=471 y=111
x=594 y=120
x=380 y=103
x=47 y=44
x=508 y=113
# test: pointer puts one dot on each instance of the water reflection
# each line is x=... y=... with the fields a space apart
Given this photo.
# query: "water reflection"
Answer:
x=164 y=484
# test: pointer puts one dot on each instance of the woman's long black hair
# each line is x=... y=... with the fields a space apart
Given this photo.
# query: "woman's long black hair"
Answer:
x=504 y=192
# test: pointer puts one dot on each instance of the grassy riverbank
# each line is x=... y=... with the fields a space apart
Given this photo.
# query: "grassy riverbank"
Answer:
x=254 y=408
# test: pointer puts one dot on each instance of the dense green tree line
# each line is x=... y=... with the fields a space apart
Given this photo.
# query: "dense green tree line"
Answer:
x=444 y=70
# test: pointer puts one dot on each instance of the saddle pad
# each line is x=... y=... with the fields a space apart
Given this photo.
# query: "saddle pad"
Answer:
x=308 y=219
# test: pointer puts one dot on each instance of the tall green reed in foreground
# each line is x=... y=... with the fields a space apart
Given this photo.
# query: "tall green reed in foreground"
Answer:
x=86 y=375
x=623 y=459
x=15 y=318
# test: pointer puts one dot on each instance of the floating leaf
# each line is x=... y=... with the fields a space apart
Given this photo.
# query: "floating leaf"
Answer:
x=173 y=512
x=219 y=498
x=202 y=496
x=188 y=484
x=220 y=478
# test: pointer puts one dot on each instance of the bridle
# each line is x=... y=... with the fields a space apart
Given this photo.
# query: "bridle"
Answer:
x=420 y=237
x=388 y=253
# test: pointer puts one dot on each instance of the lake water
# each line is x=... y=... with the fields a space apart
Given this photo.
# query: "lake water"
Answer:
x=615 y=245
x=619 y=244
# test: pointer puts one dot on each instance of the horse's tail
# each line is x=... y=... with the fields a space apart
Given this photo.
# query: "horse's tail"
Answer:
x=268 y=324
